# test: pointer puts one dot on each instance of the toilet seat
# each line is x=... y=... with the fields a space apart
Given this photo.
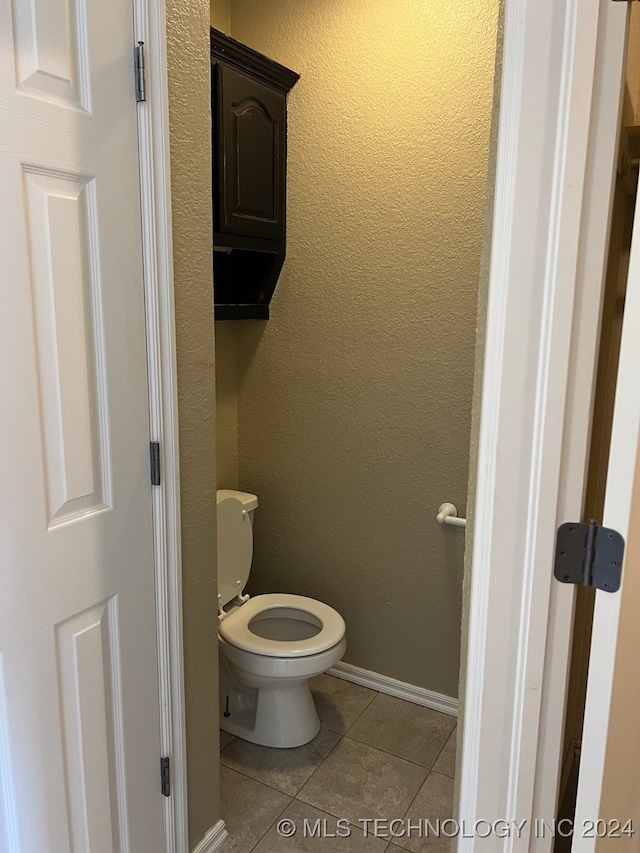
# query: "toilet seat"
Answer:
x=234 y=628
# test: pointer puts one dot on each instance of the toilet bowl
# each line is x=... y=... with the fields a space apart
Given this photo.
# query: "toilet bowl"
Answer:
x=270 y=645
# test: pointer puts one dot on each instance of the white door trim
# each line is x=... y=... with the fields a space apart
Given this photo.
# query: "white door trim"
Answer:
x=213 y=840
x=155 y=189
x=542 y=310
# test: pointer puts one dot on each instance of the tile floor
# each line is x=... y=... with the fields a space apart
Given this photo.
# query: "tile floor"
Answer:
x=374 y=757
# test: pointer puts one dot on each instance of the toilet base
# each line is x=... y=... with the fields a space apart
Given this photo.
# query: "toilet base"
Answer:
x=282 y=716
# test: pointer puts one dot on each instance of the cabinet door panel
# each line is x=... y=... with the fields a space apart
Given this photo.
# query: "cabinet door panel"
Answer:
x=252 y=135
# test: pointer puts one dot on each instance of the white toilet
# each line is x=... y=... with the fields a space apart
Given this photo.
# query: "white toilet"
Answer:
x=270 y=645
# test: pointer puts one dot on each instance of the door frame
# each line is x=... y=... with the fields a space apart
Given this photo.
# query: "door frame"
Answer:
x=553 y=194
x=155 y=196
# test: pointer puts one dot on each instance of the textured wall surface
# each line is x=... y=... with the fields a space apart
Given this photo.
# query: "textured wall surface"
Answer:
x=355 y=398
x=221 y=15
x=190 y=128
x=227 y=405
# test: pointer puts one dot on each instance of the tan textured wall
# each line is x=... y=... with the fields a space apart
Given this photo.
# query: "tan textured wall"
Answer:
x=190 y=128
x=227 y=405
x=221 y=15
x=355 y=398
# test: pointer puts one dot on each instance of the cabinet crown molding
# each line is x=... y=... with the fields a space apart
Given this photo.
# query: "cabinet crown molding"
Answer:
x=243 y=58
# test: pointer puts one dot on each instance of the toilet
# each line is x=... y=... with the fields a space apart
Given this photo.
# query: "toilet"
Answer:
x=270 y=645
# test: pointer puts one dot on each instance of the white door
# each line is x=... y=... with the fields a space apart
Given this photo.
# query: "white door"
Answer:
x=608 y=804
x=559 y=107
x=79 y=719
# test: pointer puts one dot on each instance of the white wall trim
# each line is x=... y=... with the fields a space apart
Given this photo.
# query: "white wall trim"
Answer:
x=213 y=839
x=393 y=687
x=155 y=192
x=517 y=660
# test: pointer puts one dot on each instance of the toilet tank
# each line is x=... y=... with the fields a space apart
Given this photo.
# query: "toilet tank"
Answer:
x=249 y=502
x=235 y=541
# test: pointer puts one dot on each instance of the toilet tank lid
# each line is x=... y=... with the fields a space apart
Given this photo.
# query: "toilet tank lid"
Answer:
x=247 y=500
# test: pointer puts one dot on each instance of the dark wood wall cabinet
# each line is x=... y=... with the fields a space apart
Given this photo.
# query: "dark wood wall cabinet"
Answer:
x=249 y=111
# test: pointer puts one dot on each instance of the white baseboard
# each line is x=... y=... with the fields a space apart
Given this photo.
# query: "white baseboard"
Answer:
x=392 y=687
x=213 y=839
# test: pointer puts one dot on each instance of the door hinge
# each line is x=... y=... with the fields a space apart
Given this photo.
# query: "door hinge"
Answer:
x=165 y=777
x=154 y=453
x=589 y=555
x=138 y=64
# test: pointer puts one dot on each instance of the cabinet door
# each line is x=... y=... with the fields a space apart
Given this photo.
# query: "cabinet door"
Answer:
x=251 y=140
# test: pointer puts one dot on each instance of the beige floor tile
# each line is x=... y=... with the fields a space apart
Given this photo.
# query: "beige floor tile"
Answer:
x=339 y=702
x=314 y=831
x=446 y=761
x=403 y=729
x=434 y=802
x=248 y=809
x=284 y=769
x=225 y=739
x=358 y=782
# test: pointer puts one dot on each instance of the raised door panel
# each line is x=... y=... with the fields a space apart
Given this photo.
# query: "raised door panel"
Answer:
x=252 y=135
x=73 y=671
x=88 y=682
x=63 y=246
x=51 y=58
x=79 y=711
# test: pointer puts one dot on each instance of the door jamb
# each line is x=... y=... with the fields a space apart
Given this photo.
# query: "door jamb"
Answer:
x=155 y=194
x=542 y=303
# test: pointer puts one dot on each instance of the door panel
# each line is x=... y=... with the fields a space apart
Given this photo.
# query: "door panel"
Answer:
x=251 y=121
x=608 y=783
x=79 y=714
x=88 y=667
x=621 y=777
x=63 y=236
x=51 y=50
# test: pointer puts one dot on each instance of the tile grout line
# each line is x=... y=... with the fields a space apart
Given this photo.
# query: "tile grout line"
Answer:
x=315 y=770
x=377 y=749
x=377 y=693
x=279 y=790
x=338 y=817
x=404 y=816
x=400 y=757
x=271 y=825
x=431 y=772
x=295 y=798
x=443 y=749
x=333 y=748
x=370 y=702
x=222 y=751
x=259 y=782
